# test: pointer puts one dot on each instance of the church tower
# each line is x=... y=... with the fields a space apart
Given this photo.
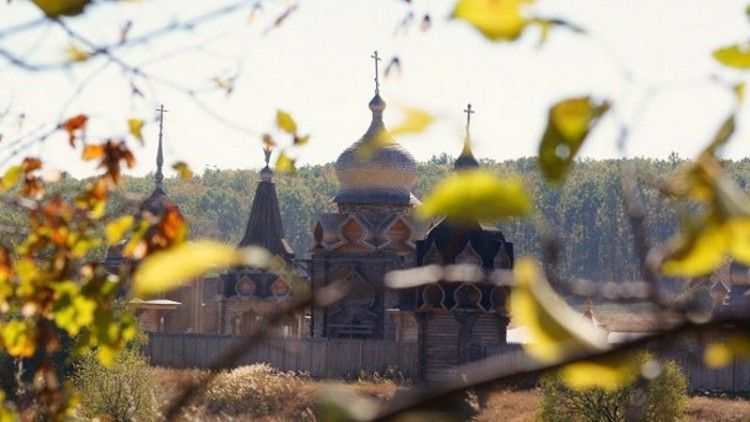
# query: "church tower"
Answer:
x=371 y=233
x=457 y=320
x=249 y=294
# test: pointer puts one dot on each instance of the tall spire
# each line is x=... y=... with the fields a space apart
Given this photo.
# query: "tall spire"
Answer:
x=266 y=174
x=264 y=225
x=466 y=159
x=159 y=176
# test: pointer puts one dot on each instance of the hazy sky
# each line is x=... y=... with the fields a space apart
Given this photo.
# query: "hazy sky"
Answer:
x=317 y=67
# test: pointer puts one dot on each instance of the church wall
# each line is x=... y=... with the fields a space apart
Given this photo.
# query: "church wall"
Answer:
x=369 y=266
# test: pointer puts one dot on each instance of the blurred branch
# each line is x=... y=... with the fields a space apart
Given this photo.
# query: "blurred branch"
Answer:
x=485 y=373
x=326 y=296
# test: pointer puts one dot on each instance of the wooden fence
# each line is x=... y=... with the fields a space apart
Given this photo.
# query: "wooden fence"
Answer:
x=734 y=378
x=319 y=357
x=326 y=358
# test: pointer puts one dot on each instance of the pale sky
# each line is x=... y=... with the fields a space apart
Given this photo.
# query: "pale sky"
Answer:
x=317 y=67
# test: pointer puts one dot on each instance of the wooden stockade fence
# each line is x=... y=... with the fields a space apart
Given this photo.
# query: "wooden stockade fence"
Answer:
x=734 y=378
x=332 y=358
x=323 y=358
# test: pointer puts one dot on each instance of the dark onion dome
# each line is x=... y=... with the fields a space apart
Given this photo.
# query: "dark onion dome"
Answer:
x=466 y=160
x=374 y=174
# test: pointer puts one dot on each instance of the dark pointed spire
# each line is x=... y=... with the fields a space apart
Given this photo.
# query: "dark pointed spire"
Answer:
x=264 y=226
x=158 y=201
x=159 y=176
x=266 y=174
x=466 y=160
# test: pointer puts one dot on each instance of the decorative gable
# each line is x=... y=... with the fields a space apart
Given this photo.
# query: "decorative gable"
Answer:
x=469 y=256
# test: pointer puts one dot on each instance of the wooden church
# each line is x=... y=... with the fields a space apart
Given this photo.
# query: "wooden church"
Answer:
x=372 y=232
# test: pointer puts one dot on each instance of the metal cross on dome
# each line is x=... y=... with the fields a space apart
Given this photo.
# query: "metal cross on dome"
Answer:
x=469 y=111
x=377 y=58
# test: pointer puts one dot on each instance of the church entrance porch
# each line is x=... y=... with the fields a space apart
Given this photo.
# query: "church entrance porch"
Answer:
x=449 y=339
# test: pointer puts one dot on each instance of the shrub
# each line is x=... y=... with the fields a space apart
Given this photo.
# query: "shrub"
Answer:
x=257 y=390
x=123 y=392
x=666 y=396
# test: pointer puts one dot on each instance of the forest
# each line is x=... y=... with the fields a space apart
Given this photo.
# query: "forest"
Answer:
x=586 y=212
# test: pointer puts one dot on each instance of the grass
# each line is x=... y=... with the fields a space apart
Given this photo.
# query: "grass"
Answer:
x=508 y=406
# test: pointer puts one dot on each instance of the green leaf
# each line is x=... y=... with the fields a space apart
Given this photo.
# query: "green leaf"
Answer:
x=172 y=268
x=116 y=229
x=736 y=56
x=476 y=195
x=568 y=124
x=554 y=328
x=56 y=8
x=496 y=19
x=73 y=311
x=285 y=122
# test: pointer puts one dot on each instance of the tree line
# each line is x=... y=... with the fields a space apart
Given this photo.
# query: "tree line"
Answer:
x=586 y=212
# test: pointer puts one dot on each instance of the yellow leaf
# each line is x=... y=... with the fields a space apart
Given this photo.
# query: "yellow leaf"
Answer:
x=476 y=195
x=495 y=19
x=183 y=170
x=696 y=254
x=739 y=91
x=19 y=338
x=75 y=54
x=116 y=229
x=56 y=8
x=285 y=122
x=284 y=164
x=721 y=353
x=135 y=127
x=6 y=414
x=415 y=121
x=739 y=248
x=736 y=56
x=11 y=177
x=568 y=124
x=717 y=355
x=169 y=269
x=554 y=328
x=607 y=373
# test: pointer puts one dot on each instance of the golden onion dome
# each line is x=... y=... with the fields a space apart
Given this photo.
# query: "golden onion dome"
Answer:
x=375 y=170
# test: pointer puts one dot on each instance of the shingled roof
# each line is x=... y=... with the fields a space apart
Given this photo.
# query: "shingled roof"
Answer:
x=264 y=226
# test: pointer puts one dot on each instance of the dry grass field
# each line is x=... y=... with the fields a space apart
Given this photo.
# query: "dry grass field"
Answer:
x=296 y=399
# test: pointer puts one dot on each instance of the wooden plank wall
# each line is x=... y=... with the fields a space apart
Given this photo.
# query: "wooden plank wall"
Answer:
x=349 y=358
x=734 y=378
x=319 y=357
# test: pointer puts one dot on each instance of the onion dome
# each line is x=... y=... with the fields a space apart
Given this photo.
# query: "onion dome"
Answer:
x=375 y=169
x=466 y=160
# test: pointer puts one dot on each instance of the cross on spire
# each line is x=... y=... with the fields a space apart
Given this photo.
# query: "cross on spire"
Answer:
x=159 y=177
x=469 y=111
x=376 y=58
